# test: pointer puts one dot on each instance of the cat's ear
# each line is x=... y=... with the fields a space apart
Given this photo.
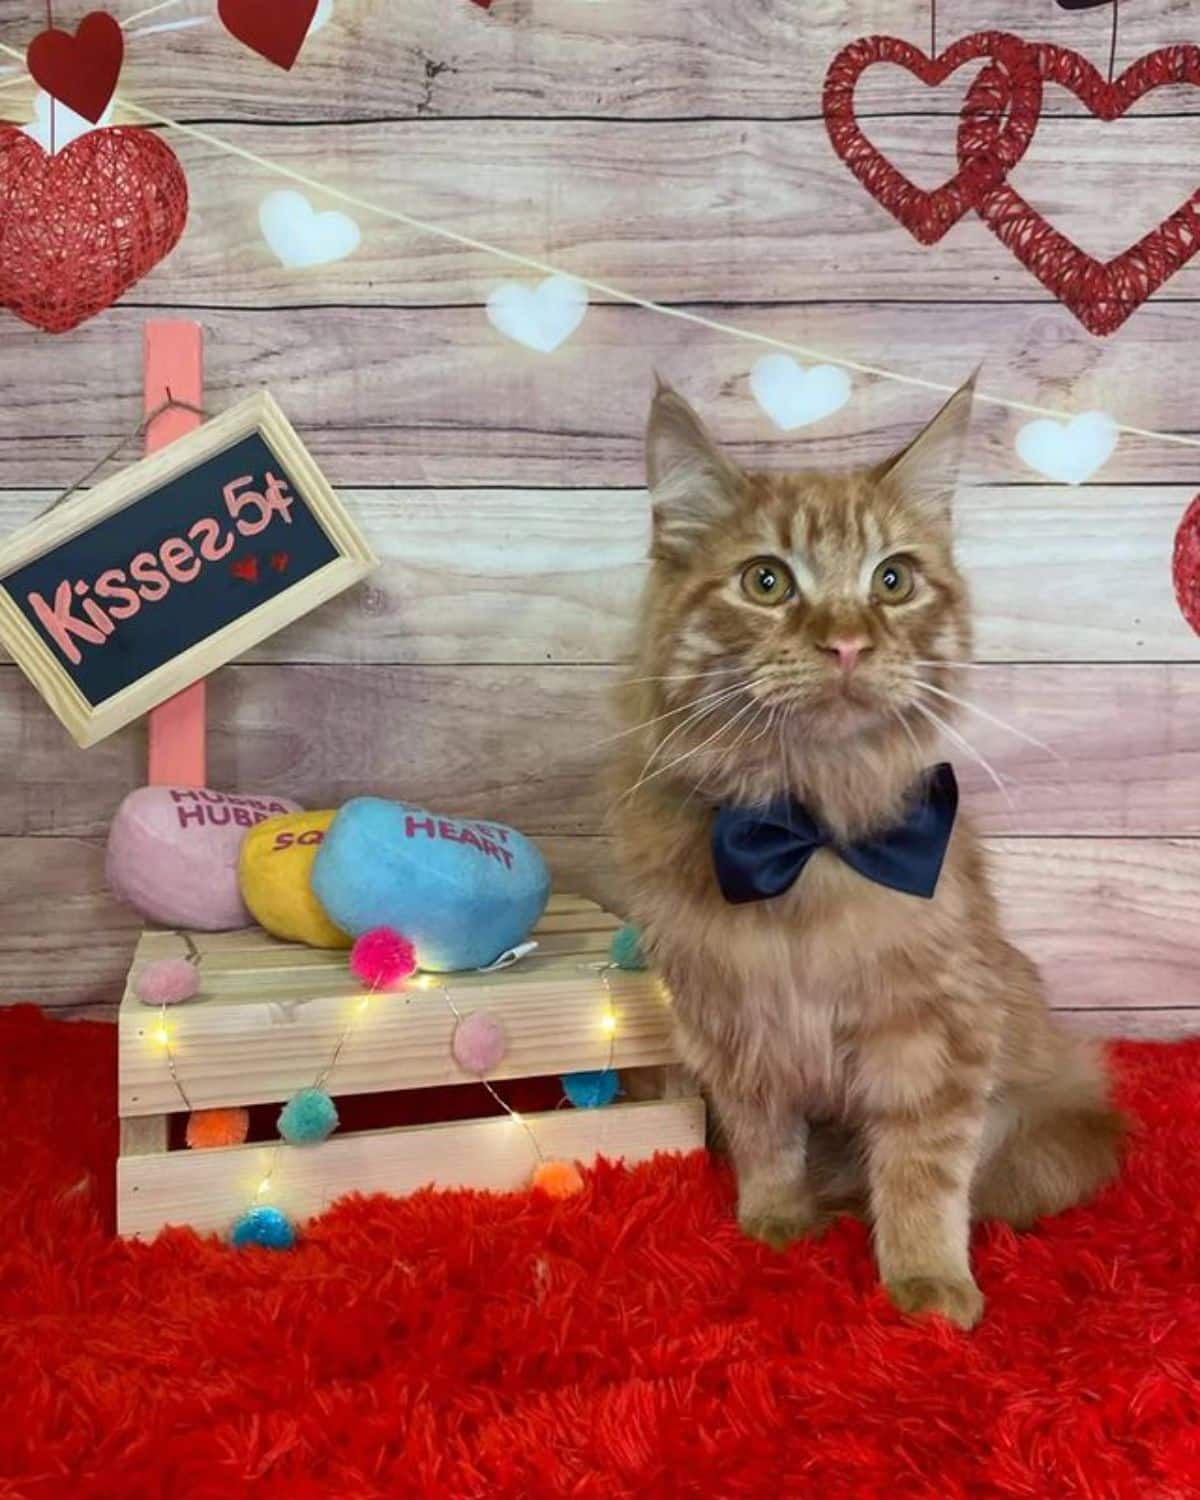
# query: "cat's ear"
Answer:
x=925 y=471
x=692 y=483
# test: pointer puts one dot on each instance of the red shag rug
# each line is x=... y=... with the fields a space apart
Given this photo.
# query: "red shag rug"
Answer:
x=625 y=1343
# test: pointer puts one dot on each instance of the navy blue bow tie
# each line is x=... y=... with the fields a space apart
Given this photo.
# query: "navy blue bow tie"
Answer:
x=759 y=852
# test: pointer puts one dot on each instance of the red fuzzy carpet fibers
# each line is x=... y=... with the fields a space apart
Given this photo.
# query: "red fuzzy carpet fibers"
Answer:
x=625 y=1343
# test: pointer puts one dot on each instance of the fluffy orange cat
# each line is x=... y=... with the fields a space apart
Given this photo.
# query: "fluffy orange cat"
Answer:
x=822 y=918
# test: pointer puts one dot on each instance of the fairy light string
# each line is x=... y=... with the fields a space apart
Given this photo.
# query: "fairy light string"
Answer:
x=606 y=289
x=424 y=983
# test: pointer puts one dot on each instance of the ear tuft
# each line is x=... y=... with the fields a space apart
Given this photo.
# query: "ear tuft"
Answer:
x=925 y=471
x=692 y=483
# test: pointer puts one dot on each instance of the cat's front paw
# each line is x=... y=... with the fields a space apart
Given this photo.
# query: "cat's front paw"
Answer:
x=780 y=1227
x=959 y=1301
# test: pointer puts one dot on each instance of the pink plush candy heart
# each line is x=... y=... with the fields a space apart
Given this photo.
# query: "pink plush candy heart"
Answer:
x=478 y=1043
x=167 y=981
x=173 y=853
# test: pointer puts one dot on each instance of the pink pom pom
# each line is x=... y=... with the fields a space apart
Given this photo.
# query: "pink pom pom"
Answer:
x=167 y=981
x=478 y=1043
x=382 y=958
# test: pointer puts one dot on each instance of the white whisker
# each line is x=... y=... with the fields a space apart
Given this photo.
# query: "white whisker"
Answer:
x=696 y=718
x=907 y=728
x=622 y=734
x=696 y=749
x=974 y=666
x=683 y=676
x=991 y=719
x=963 y=743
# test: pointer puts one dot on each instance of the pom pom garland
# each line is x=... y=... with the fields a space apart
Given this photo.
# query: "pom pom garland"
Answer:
x=167 y=981
x=626 y=950
x=382 y=958
x=591 y=1090
x=308 y=1117
x=209 y=1128
x=265 y=1226
x=558 y=1179
x=478 y=1044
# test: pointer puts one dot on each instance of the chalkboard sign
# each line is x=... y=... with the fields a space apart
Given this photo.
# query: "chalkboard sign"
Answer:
x=116 y=601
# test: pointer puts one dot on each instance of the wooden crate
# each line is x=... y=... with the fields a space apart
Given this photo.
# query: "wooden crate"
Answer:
x=268 y=1018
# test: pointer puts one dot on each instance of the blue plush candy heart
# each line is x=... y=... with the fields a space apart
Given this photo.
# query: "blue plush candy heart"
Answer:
x=462 y=892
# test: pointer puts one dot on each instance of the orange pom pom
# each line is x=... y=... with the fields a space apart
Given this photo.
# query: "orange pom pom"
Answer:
x=217 y=1127
x=559 y=1179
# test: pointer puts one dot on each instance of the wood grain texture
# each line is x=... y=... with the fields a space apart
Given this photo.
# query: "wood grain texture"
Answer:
x=726 y=231
x=526 y=745
x=553 y=575
x=436 y=397
x=633 y=59
x=208 y=1189
x=1111 y=921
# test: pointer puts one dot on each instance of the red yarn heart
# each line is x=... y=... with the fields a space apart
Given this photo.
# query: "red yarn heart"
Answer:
x=928 y=215
x=1101 y=294
x=77 y=229
x=80 y=71
x=1185 y=565
x=245 y=568
x=275 y=29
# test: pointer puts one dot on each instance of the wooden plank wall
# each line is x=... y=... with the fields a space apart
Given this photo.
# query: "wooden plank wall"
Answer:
x=677 y=150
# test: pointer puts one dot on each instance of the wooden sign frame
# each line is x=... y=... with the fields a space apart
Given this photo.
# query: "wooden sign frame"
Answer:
x=259 y=414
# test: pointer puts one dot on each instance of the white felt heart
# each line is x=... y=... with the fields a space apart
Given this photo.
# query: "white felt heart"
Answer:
x=300 y=236
x=68 y=126
x=1068 y=452
x=540 y=317
x=795 y=397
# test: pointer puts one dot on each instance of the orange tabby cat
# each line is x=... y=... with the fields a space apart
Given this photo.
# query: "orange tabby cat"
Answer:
x=799 y=638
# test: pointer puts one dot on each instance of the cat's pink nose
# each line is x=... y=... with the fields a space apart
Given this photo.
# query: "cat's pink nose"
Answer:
x=847 y=649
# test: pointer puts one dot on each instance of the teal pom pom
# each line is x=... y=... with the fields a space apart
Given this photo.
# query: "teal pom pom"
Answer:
x=626 y=950
x=265 y=1226
x=308 y=1117
x=590 y=1090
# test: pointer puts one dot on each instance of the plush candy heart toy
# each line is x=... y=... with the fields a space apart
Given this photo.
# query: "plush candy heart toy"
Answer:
x=78 y=228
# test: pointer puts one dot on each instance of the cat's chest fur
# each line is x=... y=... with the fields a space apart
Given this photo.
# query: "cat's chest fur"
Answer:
x=770 y=996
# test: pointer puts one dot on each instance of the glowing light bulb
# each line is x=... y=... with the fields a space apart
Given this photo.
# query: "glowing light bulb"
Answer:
x=263 y=1187
x=514 y=1115
x=363 y=1004
x=608 y=1023
x=162 y=1036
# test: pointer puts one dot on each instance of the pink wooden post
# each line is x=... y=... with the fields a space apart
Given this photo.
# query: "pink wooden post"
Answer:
x=174 y=360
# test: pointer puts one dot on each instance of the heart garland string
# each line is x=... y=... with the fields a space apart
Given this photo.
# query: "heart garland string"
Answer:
x=997 y=123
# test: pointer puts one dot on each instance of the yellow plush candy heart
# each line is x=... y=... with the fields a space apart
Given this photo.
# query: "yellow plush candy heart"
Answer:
x=274 y=868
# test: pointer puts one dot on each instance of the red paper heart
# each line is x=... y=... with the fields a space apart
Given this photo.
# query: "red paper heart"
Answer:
x=1185 y=565
x=1101 y=294
x=245 y=568
x=77 y=229
x=275 y=29
x=928 y=215
x=80 y=71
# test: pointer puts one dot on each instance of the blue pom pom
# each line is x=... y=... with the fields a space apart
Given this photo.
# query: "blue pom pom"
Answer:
x=626 y=950
x=265 y=1226
x=590 y=1090
x=308 y=1117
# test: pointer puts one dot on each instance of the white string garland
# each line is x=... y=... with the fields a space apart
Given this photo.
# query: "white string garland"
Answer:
x=605 y=289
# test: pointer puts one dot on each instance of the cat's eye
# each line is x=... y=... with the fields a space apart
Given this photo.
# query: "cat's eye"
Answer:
x=894 y=581
x=768 y=581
